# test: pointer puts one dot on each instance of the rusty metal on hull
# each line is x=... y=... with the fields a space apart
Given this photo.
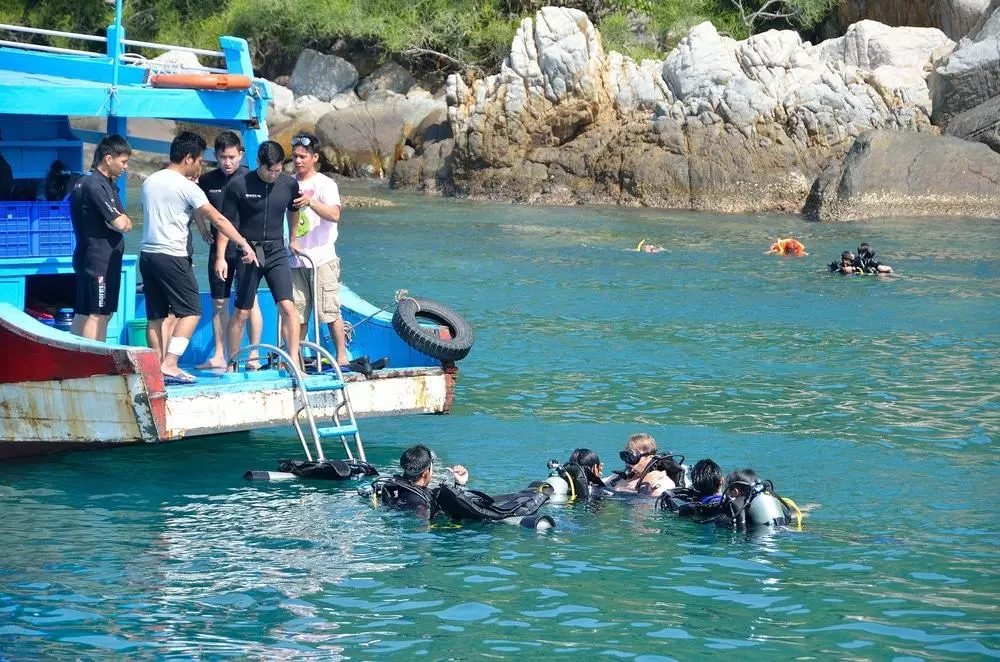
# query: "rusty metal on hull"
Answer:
x=97 y=408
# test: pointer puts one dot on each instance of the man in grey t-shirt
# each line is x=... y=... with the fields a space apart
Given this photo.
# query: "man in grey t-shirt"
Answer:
x=169 y=198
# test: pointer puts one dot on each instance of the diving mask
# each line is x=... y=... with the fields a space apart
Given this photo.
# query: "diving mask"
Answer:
x=631 y=458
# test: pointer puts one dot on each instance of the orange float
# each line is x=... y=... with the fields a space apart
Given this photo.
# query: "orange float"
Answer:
x=789 y=246
x=201 y=81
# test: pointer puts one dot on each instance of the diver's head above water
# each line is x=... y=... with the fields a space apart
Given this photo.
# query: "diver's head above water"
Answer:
x=706 y=478
x=739 y=482
x=417 y=464
x=588 y=459
x=639 y=449
x=639 y=476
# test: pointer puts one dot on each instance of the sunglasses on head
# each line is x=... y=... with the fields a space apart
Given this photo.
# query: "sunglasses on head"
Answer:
x=631 y=458
x=304 y=141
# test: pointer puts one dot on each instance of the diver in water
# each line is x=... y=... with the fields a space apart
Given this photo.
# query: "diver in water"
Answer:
x=411 y=490
x=866 y=262
x=756 y=503
x=580 y=477
x=845 y=265
x=639 y=476
x=645 y=247
x=707 y=481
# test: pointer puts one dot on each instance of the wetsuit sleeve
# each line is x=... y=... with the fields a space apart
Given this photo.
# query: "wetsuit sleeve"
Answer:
x=231 y=202
x=293 y=186
x=104 y=203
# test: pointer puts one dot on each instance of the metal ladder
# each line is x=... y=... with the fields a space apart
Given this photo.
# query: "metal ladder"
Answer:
x=304 y=386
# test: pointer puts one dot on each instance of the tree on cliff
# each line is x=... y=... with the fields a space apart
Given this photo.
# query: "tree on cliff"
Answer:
x=797 y=13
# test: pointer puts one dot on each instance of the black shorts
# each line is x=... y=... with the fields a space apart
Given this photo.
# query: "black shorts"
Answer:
x=169 y=285
x=273 y=258
x=222 y=289
x=98 y=282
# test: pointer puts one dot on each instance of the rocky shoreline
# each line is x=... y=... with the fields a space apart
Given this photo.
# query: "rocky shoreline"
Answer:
x=841 y=130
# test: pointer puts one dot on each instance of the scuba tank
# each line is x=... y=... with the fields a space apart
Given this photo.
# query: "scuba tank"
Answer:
x=763 y=507
x=766 y=510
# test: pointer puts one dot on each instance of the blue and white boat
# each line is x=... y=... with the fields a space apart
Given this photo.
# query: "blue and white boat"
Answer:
x=58 y=391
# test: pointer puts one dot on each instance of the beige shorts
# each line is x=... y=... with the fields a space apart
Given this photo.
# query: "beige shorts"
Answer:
x=328 y=285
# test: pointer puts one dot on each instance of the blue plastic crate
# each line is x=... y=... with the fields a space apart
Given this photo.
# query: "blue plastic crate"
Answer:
x=52 y=226
x=36 y=229
x=15 y=229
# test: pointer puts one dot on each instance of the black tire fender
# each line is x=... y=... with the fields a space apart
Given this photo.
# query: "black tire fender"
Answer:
x=406 y=321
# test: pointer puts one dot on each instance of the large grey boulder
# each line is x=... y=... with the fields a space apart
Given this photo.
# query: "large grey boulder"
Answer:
x=870 y=45
x=894 y=174
x=980 y=124
x=953 y=17
x=282 y=98
x=969 y=76
x=322 y=76
x=367 y=138
x=390 y=77
x=958 y=17
x=174 y=62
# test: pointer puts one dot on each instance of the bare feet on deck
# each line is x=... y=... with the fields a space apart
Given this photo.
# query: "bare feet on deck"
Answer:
x=214 y=363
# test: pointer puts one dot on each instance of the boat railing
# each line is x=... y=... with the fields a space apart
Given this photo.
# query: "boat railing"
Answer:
x=128 y=58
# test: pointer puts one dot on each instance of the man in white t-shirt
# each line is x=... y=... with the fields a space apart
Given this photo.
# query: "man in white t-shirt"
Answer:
x=169 y=198
x=315 y=236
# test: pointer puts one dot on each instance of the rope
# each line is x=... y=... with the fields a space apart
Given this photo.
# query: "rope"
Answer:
x=400 y=295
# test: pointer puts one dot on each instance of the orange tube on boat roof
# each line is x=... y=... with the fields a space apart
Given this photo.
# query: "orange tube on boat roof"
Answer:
x=201 y=81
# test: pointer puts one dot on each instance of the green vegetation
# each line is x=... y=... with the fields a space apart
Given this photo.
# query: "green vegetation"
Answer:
x=469 y=35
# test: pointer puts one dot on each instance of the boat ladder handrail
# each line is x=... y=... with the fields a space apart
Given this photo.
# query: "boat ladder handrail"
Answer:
x=324 y=353
x=302 y=387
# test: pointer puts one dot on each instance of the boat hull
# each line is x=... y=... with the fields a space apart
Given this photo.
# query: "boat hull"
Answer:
x=60 y=392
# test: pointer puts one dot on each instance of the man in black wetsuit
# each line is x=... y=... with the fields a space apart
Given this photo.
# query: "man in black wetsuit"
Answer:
x=412 y=490
x=99 y=221
x=228 y=154
x=259 y=202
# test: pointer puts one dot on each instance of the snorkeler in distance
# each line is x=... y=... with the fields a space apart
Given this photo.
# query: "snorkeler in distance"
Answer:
x=868 y=263
x=864 y=263
x=645 y=247
x=789 y=246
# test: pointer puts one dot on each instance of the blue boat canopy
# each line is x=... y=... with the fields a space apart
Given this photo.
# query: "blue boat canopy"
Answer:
x=50 y=81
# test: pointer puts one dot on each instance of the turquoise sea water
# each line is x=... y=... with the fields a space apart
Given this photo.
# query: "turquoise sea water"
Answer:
x=874 y=402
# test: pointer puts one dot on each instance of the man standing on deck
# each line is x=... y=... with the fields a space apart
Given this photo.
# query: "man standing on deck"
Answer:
x=168 y=200
x=228 y=154
x=259 y=201
x=315 y=237
x=99 y=221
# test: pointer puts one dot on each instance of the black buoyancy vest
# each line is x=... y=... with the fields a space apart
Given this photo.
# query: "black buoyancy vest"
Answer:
x=397 y=492
x=462 y=504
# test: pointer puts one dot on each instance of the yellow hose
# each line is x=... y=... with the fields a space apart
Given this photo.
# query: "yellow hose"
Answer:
x=795 y=510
